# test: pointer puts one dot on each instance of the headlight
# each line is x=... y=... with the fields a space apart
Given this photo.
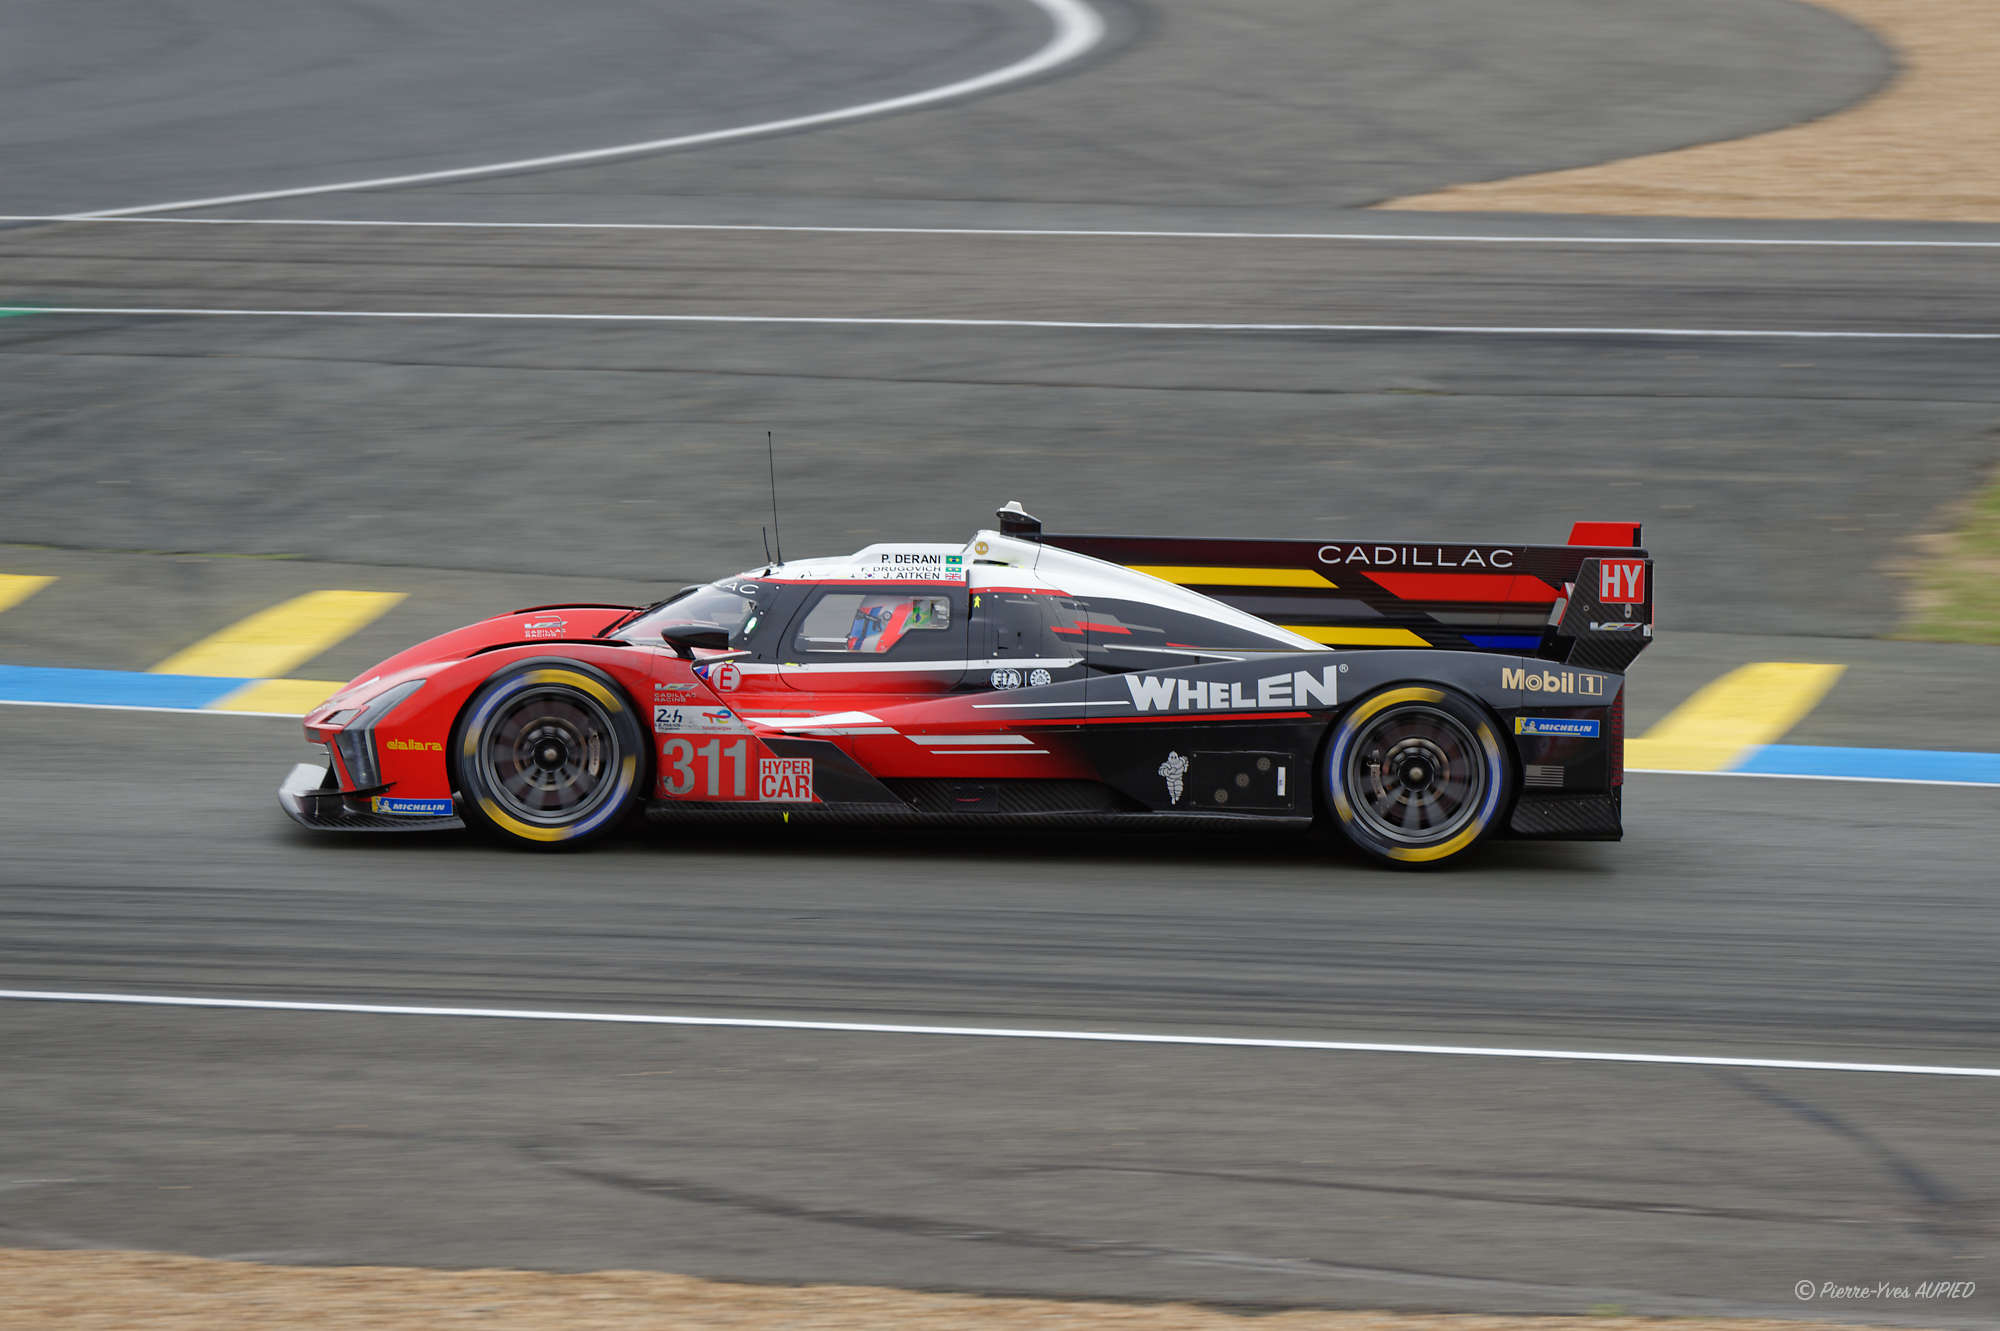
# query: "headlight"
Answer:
x=356 y=741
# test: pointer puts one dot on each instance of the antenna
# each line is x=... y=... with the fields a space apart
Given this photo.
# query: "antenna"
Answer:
x=767 y=547
x=771 y=452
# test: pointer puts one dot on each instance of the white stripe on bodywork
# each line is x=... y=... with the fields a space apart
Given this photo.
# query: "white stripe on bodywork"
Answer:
x=959 y=740
x=907 y=667
x=825 y=721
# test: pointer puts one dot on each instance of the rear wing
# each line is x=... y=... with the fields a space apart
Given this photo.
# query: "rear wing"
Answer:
x=1588 y=603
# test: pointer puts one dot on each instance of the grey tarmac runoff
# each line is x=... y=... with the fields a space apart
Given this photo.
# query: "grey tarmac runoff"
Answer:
x=473 y=465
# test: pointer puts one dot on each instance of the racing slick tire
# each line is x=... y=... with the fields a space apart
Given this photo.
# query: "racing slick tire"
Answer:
x=548 y=754
x=1416 y=774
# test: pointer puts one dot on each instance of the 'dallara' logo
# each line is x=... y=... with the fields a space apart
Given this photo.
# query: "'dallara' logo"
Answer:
x=414 y=745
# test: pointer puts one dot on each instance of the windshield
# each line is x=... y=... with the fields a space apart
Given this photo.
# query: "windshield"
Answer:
x=735 y=605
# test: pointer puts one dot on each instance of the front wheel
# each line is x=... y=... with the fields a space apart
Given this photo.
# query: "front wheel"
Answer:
x=1416 y=774
x=549 y=754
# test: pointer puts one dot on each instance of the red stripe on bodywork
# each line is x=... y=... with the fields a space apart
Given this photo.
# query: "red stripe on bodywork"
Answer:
x=1465 y=586
x=1604 y=533
x=1091 y=626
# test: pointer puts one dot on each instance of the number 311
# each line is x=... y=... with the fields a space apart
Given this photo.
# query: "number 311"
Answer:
x=682 y=757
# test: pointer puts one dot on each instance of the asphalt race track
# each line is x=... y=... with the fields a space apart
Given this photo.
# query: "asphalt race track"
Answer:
x=1783 y=478
x=1740 y=918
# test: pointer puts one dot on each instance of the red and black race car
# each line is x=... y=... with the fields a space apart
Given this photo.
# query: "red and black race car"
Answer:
x=1419 y=696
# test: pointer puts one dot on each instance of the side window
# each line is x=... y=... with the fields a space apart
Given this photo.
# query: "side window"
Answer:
x=1017 y=626
x=891 y=622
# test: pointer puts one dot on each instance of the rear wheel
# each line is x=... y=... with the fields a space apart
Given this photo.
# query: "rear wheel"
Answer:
x=1416 y=774
x=549 y=754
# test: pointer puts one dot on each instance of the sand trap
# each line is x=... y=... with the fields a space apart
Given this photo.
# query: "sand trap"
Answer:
x=1927 y=147
x=89 y=1291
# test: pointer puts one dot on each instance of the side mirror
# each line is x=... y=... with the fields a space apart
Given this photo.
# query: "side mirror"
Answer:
x=684 y=638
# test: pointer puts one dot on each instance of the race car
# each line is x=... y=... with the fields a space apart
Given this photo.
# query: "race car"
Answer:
x=1419 y=697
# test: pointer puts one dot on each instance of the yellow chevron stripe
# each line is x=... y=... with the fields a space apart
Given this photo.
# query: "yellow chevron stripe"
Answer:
x=273 y=641
x=1229 y=575
x=290 y=697
x=1361 y=637
x=1724 y=720
x=18 y=587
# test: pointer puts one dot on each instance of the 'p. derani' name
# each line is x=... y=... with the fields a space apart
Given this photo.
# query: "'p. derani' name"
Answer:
x=1294 y=688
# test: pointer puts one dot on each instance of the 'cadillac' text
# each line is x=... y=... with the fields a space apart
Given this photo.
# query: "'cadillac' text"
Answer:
x=1417 y=556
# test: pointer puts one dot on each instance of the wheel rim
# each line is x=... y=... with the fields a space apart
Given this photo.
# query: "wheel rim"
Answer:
x=551 y=756
x=1415 y=776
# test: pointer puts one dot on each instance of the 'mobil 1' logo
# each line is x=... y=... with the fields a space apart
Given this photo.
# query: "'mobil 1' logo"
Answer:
x=1552 y=681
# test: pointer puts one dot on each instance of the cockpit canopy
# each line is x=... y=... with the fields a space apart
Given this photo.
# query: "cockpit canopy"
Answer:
x=738 y=606
x=995 y=598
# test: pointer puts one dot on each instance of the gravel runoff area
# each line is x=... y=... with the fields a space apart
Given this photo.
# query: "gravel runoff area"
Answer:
x=1956 y=595
x=1926 y=148
x=95 y=1291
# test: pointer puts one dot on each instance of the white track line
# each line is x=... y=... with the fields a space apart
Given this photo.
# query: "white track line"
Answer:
x=1078 y=29
x=1415 y=237
x=1087 y=325
x=1000 y=1033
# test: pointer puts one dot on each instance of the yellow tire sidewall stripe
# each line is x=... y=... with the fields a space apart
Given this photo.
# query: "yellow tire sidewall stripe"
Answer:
x=1355 y=719
x=1359 y=717
x=628 y=768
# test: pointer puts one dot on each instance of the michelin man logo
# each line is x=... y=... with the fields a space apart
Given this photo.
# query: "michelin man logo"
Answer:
x=1174 y=769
